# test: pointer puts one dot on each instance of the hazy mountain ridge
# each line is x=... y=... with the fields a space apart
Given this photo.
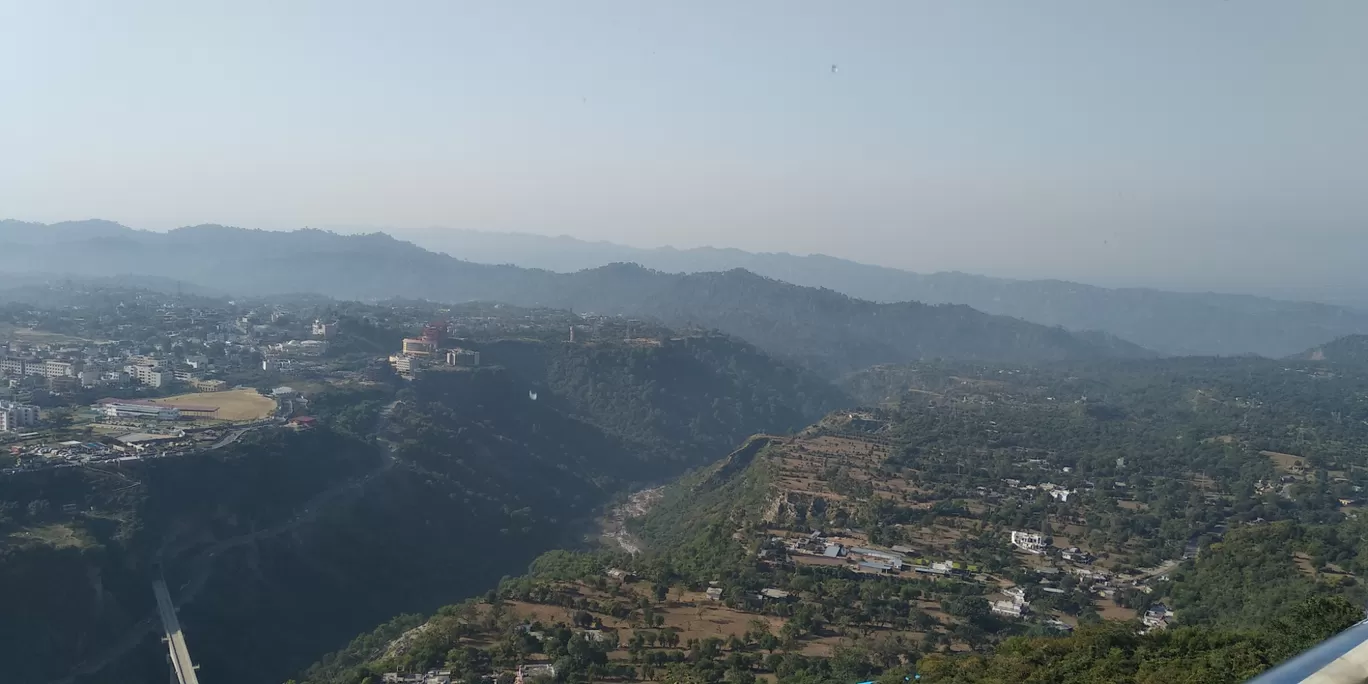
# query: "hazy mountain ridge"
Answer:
x=1169 y=322
x=1348 y=349
x=824 y=329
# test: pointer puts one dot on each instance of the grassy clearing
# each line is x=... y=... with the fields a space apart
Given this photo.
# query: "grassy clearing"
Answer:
x=56 y=535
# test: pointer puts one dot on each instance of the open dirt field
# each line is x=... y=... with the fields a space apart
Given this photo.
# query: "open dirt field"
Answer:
x=31 y=336
x=1283 y=463
x=239 y=404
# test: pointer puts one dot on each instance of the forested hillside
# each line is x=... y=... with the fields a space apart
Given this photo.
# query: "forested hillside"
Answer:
x=80 y=545
x=827 y=331
x=685 y=399
x=1351 y=349
x=1198 y=521
x=411 y=495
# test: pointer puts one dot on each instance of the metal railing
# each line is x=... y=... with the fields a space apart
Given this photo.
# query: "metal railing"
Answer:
x=1341 y=659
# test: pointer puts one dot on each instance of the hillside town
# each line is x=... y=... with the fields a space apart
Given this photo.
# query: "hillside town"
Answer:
x=151 y=375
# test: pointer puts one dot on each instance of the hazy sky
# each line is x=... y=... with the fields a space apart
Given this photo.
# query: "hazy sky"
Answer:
x=1214 y=143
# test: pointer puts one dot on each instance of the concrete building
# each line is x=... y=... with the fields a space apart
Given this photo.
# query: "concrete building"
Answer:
x=209 y=385
x=403 y=363
x=1061 y=494
x=417 y=346
x=10 y=366
x=52 y=368
x=1008 y=608
x=527 y=673
x=1030 y=542
x=136 y=409
x=15 y=415
x=1157 y=617
x=152 y=376
x=324 y=330
x=462 y=357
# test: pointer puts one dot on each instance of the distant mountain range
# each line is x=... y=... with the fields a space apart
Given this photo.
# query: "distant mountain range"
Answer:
x=1175 y=323
x=825 y=330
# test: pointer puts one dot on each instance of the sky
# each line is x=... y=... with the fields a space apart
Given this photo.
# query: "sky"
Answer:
x=1186 y=143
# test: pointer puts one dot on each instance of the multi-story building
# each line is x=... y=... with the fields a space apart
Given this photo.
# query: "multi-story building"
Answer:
x=403 y=363
x=1029 y=542
x=324 y=330
x=462 y=357
x=152 y=376
x=9 y=366
x=14 y=416
x=418 y=346
x=135 y=408
x=51 y=368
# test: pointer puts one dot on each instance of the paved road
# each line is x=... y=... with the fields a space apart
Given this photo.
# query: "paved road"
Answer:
x=175 y=638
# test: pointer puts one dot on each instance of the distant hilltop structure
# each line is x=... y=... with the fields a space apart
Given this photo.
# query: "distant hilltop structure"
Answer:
x=429 y=350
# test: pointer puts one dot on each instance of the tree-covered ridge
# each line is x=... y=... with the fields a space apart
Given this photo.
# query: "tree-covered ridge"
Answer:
x=1217 y=495
x=1114 y=653
x=1178 y=323
x=79 y=546
x=685 y=398
x=1350 y=349
x=822 y=329
x=836 y=626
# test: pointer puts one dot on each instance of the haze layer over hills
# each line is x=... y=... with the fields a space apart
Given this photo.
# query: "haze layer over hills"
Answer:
x=1165 y=321
x=825 y=330
x=377 y=266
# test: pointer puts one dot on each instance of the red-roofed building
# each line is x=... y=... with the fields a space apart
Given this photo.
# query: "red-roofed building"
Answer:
x=303 y=422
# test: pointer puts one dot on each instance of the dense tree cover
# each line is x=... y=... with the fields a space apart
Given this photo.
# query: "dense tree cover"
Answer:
x=1350 y=350
x=78 y=549
x=686 y=398
x=1183 y=441
x=1114 y=653
x=1251 y=575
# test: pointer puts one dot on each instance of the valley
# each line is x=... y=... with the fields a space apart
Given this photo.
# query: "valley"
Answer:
x=691 y=504
x=984 y=511
x=383 y=490
x=683 y=343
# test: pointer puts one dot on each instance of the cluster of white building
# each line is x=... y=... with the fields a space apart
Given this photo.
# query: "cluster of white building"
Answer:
x=409 y=360
x=1015 y=605
x=136 y=409
x=1055 y=491
x=14 y=416
x=47 y=368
